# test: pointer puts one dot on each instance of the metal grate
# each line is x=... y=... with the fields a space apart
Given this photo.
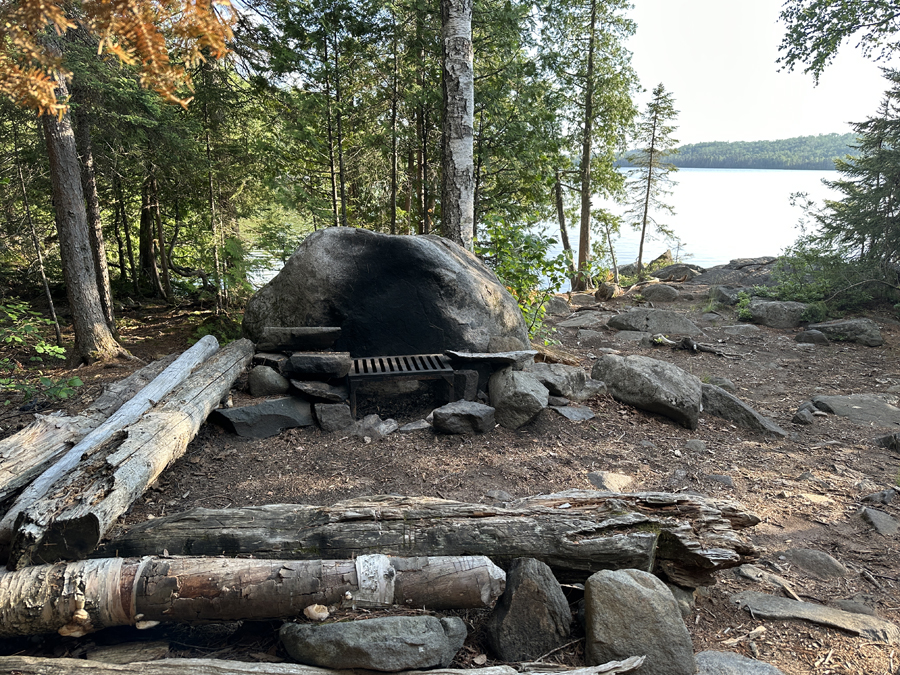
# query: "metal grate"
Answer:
x=414 y=366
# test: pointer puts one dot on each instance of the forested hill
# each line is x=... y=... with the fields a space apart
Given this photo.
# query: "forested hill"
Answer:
x=802 y=152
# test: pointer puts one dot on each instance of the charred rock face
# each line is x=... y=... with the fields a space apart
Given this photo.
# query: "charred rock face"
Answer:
x=390 y=295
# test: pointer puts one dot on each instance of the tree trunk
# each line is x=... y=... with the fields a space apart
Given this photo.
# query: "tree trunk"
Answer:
x=75 y=599
x=123 y=213
x=612 y=255
x=145 y=245
x=563 y=231
x=127 y=414
x=28 y=453
x=115 y=472
x=685 y=537
x=213 y=222
x=584 y=240
x=640 y=265
x=160 y=240
x=93 y=338
x=395 y=76
x=457 y=161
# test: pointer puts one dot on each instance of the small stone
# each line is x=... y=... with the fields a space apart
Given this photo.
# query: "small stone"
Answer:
x=803 y=416
x=695 y=445
x=318 y=365
x=418 y=425
x=729 y=663
x=607 y=481
x=806 y=475
x=882 y=522
x=883 y=497
x=557 y=401
x=266 y=381
x=333 y=416
x=463 y=417
x=575 y=413
x=814 y=337
x=684 y=597
x=727 y=481
x=499 y=496
x=817 y=563
x=322 y=391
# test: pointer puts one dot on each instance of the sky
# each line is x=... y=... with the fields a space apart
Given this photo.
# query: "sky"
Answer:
x=717 y=57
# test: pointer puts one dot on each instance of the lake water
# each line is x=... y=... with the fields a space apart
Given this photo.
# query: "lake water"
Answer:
x=723 y=214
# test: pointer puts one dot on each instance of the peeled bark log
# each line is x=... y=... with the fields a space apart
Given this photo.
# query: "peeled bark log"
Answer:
x=28 y=453
x=29 y=665
x=82 y=505
x=125 y=415
x=683 y=537
x=78 y=598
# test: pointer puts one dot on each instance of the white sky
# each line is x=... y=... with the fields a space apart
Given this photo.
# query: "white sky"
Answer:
x=717 y=57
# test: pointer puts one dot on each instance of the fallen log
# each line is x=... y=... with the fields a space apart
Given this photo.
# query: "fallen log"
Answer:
x=686 y=538
x=82 y=505
x=30 y=665
x=75 y=599
x=128 y=413
x=29 y=452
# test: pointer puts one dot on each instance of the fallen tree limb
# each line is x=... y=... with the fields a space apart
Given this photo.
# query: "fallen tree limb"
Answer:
x=29 y=665
x=80 y=506
x=128 y=413
x=28 y=453
x=685 y=537
x=78 y=598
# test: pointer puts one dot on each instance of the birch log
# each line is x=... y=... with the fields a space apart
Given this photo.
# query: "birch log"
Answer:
x=685 y=537
x=26 y=454
x=147 y=397
x=29 y=665
x=78 y=598
x=81 y=506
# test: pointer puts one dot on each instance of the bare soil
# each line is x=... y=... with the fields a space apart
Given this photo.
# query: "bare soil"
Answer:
x=806 y=488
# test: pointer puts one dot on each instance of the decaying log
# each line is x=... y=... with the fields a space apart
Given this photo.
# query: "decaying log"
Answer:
x=78 y=598
x=28 y=453
x=147 y=397
x=80 y=507
x=685 y=537
x=29 y=665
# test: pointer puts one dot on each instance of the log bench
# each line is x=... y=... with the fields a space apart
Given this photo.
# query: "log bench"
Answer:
x=409 y=367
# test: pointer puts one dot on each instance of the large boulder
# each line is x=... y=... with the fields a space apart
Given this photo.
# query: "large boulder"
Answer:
x=776 y=313
x=863 y=331
x=517 y=397
x=718 y=402
x=652 y=385
x=654 y=321
x=389 y=294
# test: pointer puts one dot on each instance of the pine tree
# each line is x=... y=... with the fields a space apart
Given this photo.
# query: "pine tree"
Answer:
x=652 y=181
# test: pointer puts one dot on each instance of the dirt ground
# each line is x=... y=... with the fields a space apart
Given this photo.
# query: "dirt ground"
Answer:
x=806 y=488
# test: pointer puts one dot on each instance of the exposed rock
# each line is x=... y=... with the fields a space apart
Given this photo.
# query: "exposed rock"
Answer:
x=591 y=338
x=812 y=337
x=723 y=383
x=517 y=358
x=654 y=321
x=776 y=313
x=729 y=663
x=390 y=295
x=632 y=613
x=563 y=380
x=265 y=419
x=418 y=425
x=684 y=597
x=744 y=272
x=387 y=644
x=884 y=524
x=726 y=295
x=727 y=481
x=373 y=427
x=639 y=336
x=659 y=293
x=695 y=445
x=517 y=397
x=606 y=481
x=718 y=402
x=318 y=365
x=275 y=361
x=556 y=306
x=678 y=272
x=557 y=401
x=608 y=291
x=863 y=331
x=532 y=616
x=499 y=496
x=582 y=299
x=651 y=385
x=265 y=381
x=575 y=413
x=869 y=409
x=765 y=606
x=890 y=441
x=852 y=605
x=333 y=416
x=883 y=497
x=817 y=563
x=465 y=386
x=584 y=320
x=662 y=260
x=803 y=416
x=743 y=330
x=463 y=417
x=297 y=339
x=322 y=391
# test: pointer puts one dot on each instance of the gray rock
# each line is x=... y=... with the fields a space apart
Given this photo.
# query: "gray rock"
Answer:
x=333 y=416
x=532 y=617
x=373 y=427
x=388 y=644
x=297 y=339
x=659 y=293
x=518 y=359
x=654 y=321
x=727 y=481
x=634 y=336
x=591 y=338
x=884 y=524
x=890 y=441
x=418 y=425
x=318 y=365
x=506 y=343
x=863 y=331
x=762 y=605
x=684 y=597
x=606 y=481
x=556 y=306
x=499 y=495
x=557 y=401
x=583 y=299
x=463 y=417
x=723 y=383
x=265 y=381
x=741 y=272
x=743 y=330
x=727 y=295
x=803 y=416
x=517 y=397
x=695 y=445
x=575 y=413
x=391 y=295
x=817 y=563
x=608 y=291
x=718 y=402
x=759 y=575
x=883 y=497
x=465 y=385
x=265 y=419
x=275 y=361
x=561 y=380
x=729 y=663
x=852 y=605
x=584 y=320
x=813 y=337
x=869 y=409
x=651 y=385
x=711 y=318
x=678 y=272
x=776 y=313
x=632 y=613
x=322 y=391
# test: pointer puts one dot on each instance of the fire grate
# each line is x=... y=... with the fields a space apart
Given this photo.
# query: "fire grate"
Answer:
x=409 y=367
